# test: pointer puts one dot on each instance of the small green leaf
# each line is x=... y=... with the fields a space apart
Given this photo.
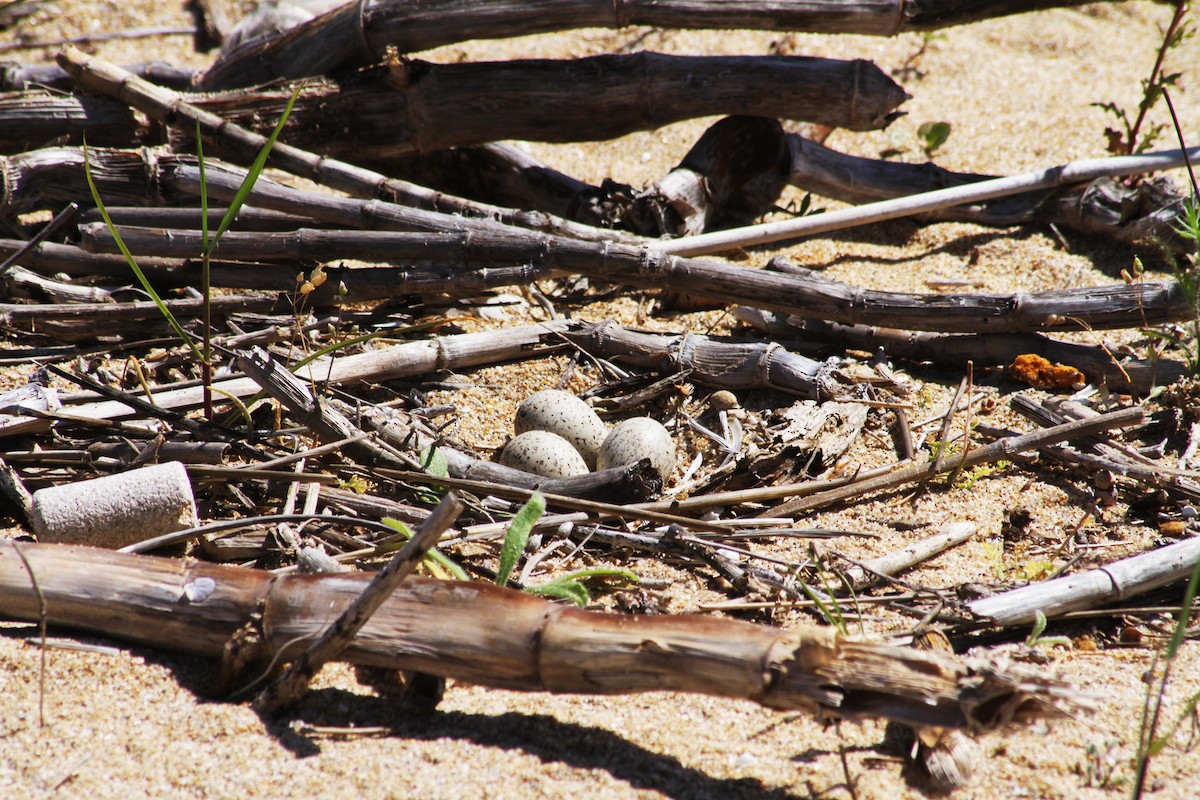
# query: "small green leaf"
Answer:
x=1039 y=627
x=518 y=536
x=434 y=555
x=434 y=462
x=562 y=589
x=933 y=135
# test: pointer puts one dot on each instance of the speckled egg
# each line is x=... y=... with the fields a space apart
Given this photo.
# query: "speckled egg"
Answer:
x=543 y=453
x=637 y=438
x=563 y=413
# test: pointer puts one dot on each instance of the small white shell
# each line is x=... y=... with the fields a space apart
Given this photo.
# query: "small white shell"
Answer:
x=543 y=453
x=637 y=438
x=565 y=414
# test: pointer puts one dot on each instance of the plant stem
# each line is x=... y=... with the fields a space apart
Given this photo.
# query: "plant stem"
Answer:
x=1181 y=8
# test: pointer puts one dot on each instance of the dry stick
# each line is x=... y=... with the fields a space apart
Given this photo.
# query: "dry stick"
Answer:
x=871 y=572
x=511 y=492
x=61 y=218
x=1003 y=448
x=357 y=34
x=726 y=364
x=485 y=635
x=1119 y=305
x=360 y=284
x=169 y=107
x=328 y=423
x=1107 y=584
x=406 y=360
x=1095 y=361
x=294 y=682
x=1104 y=206
x=1073 y=172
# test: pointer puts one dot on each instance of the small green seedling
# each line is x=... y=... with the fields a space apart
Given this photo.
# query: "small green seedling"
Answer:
x=933 y=135
x=567 y=587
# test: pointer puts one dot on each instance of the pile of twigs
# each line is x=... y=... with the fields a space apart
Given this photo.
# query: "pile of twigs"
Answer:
x=429 y=225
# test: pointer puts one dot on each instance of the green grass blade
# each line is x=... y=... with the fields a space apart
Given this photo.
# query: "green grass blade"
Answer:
x=260 y=163
x=518 y=536
x=129 y=259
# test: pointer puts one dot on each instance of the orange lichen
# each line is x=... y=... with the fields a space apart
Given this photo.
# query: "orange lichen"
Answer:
x=1040 y=373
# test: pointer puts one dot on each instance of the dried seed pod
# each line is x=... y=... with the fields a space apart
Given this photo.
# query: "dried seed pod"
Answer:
x=564 y=414
x=543 y=453
x=637 y=438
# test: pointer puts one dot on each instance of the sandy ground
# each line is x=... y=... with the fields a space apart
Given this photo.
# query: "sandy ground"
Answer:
x=132 y=722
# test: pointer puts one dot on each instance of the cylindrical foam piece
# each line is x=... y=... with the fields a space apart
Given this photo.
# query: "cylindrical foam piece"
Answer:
x=116 y=510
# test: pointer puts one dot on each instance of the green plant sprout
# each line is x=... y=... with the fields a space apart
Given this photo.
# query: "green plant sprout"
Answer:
x=933 y=135
x=1150 y=742
x=572 y=586
x=1036 y=639
x=439 y=564
x=204 y=354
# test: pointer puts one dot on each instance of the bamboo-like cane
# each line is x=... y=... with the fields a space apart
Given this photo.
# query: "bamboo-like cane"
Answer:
x=497 y=637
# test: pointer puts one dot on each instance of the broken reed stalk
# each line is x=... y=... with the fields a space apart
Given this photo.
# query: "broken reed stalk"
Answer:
x=1073 y=172
x=403 y=108
x=293 y=683
x=358 y=33
x=1002 y=448
x=170 y=107
x=486 y=635
x=344 y=285
x=1108 y=584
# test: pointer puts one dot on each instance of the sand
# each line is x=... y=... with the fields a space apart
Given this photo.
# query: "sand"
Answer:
x=130 y=722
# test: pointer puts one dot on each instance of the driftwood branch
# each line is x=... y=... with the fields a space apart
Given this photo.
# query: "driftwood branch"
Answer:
x=501 y=638
x=358 y=34
x=811 y=296
x=168 y=106
x=1148 y=211
x=407 y=107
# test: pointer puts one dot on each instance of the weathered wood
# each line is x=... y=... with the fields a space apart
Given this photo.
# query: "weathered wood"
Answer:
x=417 y=106
x=729 y=365
x=1098 y=364
x=482 y=634
x=405 y=360
x=1003 y=448
x=172 y=108
x=358 y=34
x=1147 y=211
x=292 y=684
x=1083 y=171
x=1096 y=587
x=813 y=295
x=343 y=285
